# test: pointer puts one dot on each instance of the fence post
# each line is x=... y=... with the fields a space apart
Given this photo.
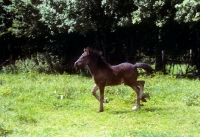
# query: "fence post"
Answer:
x=163 y=61
x=163 y=55
x=160 y=65
x=190 y=53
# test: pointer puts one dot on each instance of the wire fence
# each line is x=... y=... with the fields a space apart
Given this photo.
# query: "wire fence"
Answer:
x=168 y=64
x=171 y=64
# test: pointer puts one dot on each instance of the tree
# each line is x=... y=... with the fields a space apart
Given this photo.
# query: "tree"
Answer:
x=122 y=28
x=23 y=18
x=188 y=11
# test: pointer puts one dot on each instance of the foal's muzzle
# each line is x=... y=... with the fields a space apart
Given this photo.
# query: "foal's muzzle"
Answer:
x=75 y=64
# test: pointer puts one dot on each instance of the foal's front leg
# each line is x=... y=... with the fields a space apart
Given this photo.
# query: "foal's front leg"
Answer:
x=94 y=90
x=101 y=99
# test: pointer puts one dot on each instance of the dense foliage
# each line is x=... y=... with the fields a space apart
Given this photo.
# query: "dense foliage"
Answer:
x=120 y=28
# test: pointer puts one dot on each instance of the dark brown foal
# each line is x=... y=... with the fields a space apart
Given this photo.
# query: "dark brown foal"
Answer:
x=106 y=75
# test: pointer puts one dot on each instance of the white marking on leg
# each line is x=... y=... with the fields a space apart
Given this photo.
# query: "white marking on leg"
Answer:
x=138 y=99
x=105 y=101
x=135 y=108
x=141 y=85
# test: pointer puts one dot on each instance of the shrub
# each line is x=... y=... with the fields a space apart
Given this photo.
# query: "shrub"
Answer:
x=9 y=69
x=40 y=62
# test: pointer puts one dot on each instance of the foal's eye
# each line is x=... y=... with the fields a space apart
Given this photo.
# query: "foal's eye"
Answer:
x=84 y=57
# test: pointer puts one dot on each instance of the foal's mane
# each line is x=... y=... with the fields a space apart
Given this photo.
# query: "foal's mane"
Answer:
x=101 y=62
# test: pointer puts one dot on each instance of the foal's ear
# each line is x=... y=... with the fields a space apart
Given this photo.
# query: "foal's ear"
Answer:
x=86 y=50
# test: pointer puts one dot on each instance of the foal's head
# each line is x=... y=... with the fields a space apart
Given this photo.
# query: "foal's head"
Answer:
x=88 y=56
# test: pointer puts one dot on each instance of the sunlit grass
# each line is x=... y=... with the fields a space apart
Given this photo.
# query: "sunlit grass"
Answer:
x=62 y=105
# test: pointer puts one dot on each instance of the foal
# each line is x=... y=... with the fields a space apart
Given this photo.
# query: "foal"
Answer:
x=106 y=75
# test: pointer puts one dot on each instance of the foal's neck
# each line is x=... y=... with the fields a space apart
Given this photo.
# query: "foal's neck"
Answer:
x=93 y=68
x=96 y=67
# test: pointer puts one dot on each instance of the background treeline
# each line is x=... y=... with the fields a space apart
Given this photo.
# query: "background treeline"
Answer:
x=52 y=33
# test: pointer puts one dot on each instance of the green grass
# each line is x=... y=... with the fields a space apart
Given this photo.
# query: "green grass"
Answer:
x=31 y=105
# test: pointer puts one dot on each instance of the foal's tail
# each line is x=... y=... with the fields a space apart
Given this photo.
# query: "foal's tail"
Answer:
x=144 y=66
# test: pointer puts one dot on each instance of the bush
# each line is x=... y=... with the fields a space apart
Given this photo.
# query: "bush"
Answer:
x=9 y=69
x=40 y=62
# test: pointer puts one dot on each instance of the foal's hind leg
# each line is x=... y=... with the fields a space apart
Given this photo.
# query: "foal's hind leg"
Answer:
x=141 y=95
x=137 y=90
x=94 y=90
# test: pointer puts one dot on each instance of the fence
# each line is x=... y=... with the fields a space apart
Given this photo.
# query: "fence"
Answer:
x=173 y=64
x=168 y=64
x=188 y=64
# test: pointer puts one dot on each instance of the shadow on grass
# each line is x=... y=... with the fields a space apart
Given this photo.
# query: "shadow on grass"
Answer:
x=4 y=132
x=121 y=112
x=153 y=109
x=141 y=110
x=191 y=77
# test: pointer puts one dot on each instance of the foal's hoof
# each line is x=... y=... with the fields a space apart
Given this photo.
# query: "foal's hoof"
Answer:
x=143 y=99
x=105 y=101
x=145 y=96
x=99 y=111
x=135 y=108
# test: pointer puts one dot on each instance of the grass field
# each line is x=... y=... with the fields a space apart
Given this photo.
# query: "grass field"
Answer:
x=40 y=105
